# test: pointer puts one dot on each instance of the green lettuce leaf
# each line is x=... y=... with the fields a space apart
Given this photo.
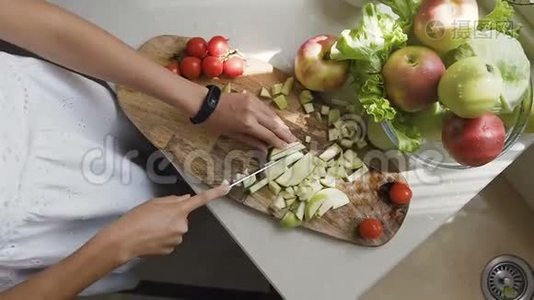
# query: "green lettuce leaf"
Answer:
x=408 y=136
x=405 y=9
x=372 y=40
x=500 y=19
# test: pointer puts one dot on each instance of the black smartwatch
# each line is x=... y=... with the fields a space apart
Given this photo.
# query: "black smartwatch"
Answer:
x=208 y=106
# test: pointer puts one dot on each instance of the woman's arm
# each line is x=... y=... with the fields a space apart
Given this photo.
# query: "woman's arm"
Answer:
x=153 y=228
x=68 y=40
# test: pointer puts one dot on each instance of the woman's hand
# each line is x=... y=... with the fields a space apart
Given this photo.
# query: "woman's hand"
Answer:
x=247 y=119
x=156 y=227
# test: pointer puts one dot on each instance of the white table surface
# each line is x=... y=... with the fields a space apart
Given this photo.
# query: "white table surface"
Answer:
x=300 y=264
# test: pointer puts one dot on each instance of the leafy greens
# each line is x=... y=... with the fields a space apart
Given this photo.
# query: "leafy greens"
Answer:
x=500 y=19
x=367 y=47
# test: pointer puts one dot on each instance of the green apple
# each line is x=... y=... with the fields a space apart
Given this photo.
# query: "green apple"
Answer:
x=430 y=122
x=470 y=87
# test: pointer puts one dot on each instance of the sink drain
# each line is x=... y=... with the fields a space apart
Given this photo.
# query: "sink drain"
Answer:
x=507 y=277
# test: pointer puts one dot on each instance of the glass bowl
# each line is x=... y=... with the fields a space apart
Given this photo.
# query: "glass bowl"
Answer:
x=433 y=154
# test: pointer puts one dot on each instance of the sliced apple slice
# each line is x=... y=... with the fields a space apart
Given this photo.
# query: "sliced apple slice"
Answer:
x=279 y=202
x=334 y=198
x=280 y=167
x=276 y=154
x=298 y=172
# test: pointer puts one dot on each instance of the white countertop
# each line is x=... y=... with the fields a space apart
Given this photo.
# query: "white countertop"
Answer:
x=300 y=264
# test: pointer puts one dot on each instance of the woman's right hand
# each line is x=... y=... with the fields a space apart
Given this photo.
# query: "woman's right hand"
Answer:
x=157 y=226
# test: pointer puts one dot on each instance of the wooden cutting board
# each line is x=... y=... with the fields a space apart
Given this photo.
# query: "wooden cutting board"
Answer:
x=212 y=158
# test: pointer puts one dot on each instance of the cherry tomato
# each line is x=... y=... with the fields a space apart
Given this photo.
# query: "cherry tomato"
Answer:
x=234 y=67
x=370 y=229
x=197 y=47
x=174 y=67
x=191 y=67
x=212 y=66
x=218 y=46
x=400 y=193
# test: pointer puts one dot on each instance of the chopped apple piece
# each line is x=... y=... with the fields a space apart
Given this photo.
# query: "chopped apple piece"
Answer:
x=318 y=116
x=300 y=211
x=305 y=97
x=290 y=220
x=308 y=108
x=274 y=188
x=333 y=134
x=227 y=89
x=346 y=143
x=265 y=93
x=307 y=139
x=333 y=115
x=325 y=110
x=288 y=86
x=361 y=144
x=276 y=89
x=279 y=202
x=258 y=185
x=249 y=182
x=280 y=101
x=360 y=172
x=330 y=152
x=328 y=181
x=291 y=201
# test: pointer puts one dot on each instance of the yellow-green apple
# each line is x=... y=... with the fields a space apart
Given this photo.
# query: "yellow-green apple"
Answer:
x=313 y=67
x=470 y=87
x=473 y=142
x=411 y=77
x=445 y=24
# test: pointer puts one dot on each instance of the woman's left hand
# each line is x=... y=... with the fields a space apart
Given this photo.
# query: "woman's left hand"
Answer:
x=247 y=119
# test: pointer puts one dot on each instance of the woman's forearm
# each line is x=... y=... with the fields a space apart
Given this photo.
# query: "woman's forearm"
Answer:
x=69 y=277
x=66 y=39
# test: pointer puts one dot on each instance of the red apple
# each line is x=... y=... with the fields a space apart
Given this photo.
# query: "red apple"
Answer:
x=473 y=142
x=445 y=24
x=411 y=77
x=313 y=67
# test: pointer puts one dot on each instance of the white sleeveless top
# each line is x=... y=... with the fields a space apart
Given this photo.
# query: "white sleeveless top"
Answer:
x=62 y=172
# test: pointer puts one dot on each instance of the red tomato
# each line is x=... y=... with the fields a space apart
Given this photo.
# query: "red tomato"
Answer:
x=370 y=229
x=212 y=66
x=400 y=193
x=173 y=67
x=191 y=67
x=197 y=47
x=218 y=46
x=234 y=67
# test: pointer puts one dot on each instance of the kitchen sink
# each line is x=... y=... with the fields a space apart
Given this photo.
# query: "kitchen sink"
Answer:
x=451 y=263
